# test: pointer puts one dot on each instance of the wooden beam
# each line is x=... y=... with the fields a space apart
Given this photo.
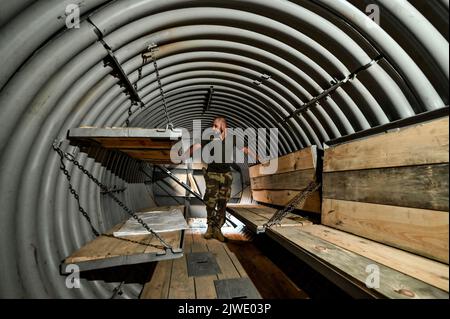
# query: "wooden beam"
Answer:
x=423 y=186
x=134 y=142
x=427 y=143
x=296 y=180
x=424 y=232
x=427 y=270
x=353 y=267
x=300 y=160
x=282 y=198
x=158 y=286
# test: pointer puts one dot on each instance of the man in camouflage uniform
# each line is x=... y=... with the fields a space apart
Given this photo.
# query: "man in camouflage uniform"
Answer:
x=217 y=194
x=218 y=178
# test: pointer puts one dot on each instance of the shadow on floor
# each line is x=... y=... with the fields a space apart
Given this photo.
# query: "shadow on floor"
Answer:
x=278 y=274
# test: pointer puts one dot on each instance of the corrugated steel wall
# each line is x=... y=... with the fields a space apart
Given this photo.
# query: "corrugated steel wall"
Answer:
x=53 y=78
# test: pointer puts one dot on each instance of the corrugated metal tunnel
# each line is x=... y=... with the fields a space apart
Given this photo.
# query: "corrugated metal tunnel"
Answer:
x=319 y=70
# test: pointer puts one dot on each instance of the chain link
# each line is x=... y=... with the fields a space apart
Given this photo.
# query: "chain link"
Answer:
x=64 y=155
x=298 y=199
x=153 y=49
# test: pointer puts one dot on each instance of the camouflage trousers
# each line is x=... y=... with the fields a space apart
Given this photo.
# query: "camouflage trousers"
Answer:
x=217 y=194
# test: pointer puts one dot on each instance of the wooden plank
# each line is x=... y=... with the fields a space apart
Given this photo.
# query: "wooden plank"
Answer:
x=158 y=286
x=134 y=142
x=181 y=285
x=296 y=180
x=204 y=285
x=423 y=186
x=289 y=220
x=256 y=218
x=148 y=154
x=123 y=132
x=424 y=232
x=422 y=144
x=393 y=284
x=192 y=183
x=300 y=160
x=427 y=270
x=236 y=262
x=228 y=270
x=282 y=197
x=173 y=238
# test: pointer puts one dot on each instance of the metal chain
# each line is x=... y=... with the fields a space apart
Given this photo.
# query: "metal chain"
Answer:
x=73 y=191
x=153 y=49
x=298 y=199
x=103 y=187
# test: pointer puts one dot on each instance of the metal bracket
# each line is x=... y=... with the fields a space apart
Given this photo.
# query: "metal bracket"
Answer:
x=209 y=98
x=117 y=70
x=202 y=264
x=236 y=288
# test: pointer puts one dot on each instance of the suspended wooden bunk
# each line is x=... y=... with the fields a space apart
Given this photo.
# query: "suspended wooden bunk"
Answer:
x=129 y=243
x=383 y=210
x=149 y=235
x=150 y=145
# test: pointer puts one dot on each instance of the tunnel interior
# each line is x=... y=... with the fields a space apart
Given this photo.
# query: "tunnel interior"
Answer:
x=321 y=71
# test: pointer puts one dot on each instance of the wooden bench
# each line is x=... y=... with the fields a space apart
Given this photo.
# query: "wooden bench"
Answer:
x=109 y=251
x=384 y=211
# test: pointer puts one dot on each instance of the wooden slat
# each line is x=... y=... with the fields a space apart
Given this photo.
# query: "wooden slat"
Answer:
x=134 y=142
x=192 y=183
x=393 y=284
x=158 y=286
x=427 y=270
x=258 y=215
x=228 y=270
x=181 y=286
x=148 y=154
x=296 y=180
x=282 y=197
x=425 y=232
x=299 y=160
x=422 y=144
x=204 y=285
x=173 y=238
x=423 y=186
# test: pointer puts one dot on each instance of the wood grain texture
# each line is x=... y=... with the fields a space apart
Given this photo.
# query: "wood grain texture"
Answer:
x=423 y=186
x=296 y=180
x=134 y=142
x=282 y=198
x=258 y=215
x=427 y=270
x=158 y=286
x=300 y=160
x=393 y=284
x=422 y=144
x=424 y=232
x=181 y=285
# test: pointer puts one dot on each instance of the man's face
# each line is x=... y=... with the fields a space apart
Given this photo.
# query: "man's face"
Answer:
x=216 y=126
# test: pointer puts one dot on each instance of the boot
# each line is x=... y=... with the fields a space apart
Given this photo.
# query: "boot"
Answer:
x=209 y=232
x=218 y=235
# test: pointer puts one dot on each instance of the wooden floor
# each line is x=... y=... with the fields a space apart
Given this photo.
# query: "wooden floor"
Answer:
x=170 y=279
x=237 y=258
